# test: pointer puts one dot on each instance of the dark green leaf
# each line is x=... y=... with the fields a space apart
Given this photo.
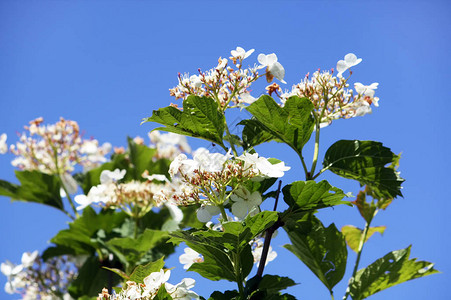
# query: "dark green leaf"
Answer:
x=91 y=279
x=275 y=283
x=162 y=294
x=200 y=118
x=323 y=250
x=143 y=271
x=365 y=161
x=291 y=124
x=309 y=195
x=134 y=249
x=220 y=249
x=227 y=295
x=392 y=269
x=353 y=235
x=81 y=233
x=34 y=187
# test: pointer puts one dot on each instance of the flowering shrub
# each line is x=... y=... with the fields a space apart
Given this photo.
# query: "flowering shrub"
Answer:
x=130 y=211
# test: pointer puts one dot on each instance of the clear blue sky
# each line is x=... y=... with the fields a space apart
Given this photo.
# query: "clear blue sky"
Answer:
x=108 y=64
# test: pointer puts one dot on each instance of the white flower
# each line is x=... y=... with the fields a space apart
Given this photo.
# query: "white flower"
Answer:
x=349 y=61
x=257 y=253
x=367 y=90
x=263 y=166
x=10 y=269
x=154 y=281
x=189 y=257
x=363 y=109
x=181 y=291
x=82 y=201
x=28 y=258
x=176 y=213
x=108 y=176
x=3 y=145
x=246 y=98
x=205 y=213
x=69 y=183
x=272 y=66
x=245 y=202
x=240 y=53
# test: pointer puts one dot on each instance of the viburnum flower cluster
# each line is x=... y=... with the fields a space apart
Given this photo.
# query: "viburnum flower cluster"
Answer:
x=227 y=83
x=134 y=197
x=149 y=289
x=211 y=179
x=56 y=148
x=34 y=279
x=330 y=95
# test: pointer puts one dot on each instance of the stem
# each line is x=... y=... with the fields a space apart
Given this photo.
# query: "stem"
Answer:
x=68 y=196
x=359 y=254
x=331 y=294
x=239 y=280
x=304 y=165
x=223 y=212
x=316 y=152
x=268 y=236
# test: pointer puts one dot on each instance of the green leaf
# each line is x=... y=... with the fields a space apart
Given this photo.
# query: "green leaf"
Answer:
x=221 y=249
x=134 y=249
x=254 y=133
x=34 y=187
x=143 y=271
x=162 y=294
x=353 y=235
x=310 y=195
x=142 y=159
x=200 y=118
x=81 y=233
x=291 y=124
x=275 y=283
x=323 y=250
x=365 y=161
x=91 y=279
x=227 y=295
x=392 y=269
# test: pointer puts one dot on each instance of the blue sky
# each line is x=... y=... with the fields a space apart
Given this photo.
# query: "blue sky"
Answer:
x=108 y=64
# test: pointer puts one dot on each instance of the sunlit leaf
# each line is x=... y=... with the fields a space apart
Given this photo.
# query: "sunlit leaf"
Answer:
x=394 y=268
x=291 y=124
x=353 y=235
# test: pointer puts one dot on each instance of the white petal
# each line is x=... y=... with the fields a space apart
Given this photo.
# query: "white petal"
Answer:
x=271 y=59
x=203 y=215
x=262 y=59
x=239 y=209
x=277 y=70
x=341 y=66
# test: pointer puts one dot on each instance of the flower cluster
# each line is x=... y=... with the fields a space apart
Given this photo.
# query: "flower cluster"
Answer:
x=228 y=85
x=34 y=279
x=136 y=198
x=56 y=148
x=211 y=179
x=330 y=95
x=149 y=289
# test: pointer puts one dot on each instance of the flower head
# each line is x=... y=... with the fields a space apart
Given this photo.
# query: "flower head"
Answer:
x=349 y=61
x=273 y=67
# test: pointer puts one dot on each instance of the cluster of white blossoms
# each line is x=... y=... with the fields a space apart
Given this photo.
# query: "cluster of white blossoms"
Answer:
x=257 y=250
x=129 y=195
x=330 y=95
x=34 y=279
x=149 y=289
x=168 y=145
x=211 y=179
x=226 y=84
x=56 y=148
